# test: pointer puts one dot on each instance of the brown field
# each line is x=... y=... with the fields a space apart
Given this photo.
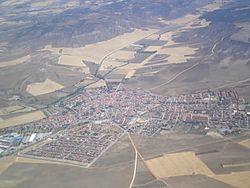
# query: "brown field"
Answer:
x=34 y=161
x=25 y=175
x=25 y=160
x=153 y=37
x=199 y=23
x=196 y=181
x=153 y=48
x=145 y=62
x=178 y=54
x=122 y=55
x=96 y=52
x=100 y=83
x=168 y=37
x=130 y=74
x=14 y=109
x=9 y=109
x=150 y=73
x=5 y=162
x=243 y=34
x=40 y=88
x=127 y=69
x=69 y=60
x=14 y=62
x=184 y=20
x=108 y=64
x=245 y=143
x=239 y=179
x=24 y=109
x=22 y=119
x=177 y=164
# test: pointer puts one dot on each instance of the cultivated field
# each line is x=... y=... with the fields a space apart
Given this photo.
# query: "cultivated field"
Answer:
x=22 y=119
x=109 y=64
x=40 y=88
x=122 y=55
x=239 y=179
x=25 y=160
x=153 y=37
x=44 y=175
x=177 y=164
x=245 y=143
x=196 y=181
x=14 y=62
x=184 y=20
x=95 y=52
x=178 y=54
x=71 y=61
x=5 y=162
x=14 y=109
x=130 y=74
x=153 y=48
x=100 y=83
x=199 y=23
x=243 y=35
x=168 y=36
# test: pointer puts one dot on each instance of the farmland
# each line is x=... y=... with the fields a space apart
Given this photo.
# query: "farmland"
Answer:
x=177 y=164
x=240 y=179
x=22 y=119
x=41 y=88
x=14 y=109
x=14 y=62
x=245 y=143
x=124 y=93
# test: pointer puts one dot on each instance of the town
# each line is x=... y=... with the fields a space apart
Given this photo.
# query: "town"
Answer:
x=80 y=128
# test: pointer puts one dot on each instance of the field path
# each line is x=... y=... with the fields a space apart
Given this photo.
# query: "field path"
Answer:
x=135 y=167
x=136 y=159
x=232 y=84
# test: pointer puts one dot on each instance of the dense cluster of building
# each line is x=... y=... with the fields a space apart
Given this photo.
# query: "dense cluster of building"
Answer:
x=80 y=143
x=81 y=127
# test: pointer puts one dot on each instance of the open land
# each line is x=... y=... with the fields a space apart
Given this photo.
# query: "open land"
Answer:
x=71 y=61
x=15 y=109
x=66 y=176
x=6 y=163
x=245 y=143
x=41 y=88
x=14 y=62
x=177 y=164
x=92 y=122
x=240 y=179
x=243 y=34
x=196 y=181
x=22 y=119
x=95 y=52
